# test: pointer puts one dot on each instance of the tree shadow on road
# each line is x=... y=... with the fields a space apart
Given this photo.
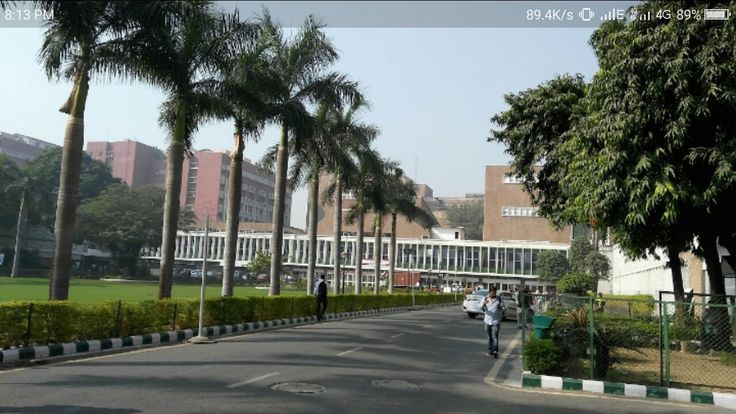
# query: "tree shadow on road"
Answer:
x=45 y=409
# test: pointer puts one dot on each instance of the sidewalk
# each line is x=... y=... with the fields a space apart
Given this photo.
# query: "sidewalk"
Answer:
x=507 y=369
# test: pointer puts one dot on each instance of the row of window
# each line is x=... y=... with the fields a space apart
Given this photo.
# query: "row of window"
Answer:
x=520 y=211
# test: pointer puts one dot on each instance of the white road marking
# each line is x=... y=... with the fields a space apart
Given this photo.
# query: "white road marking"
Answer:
x=398 y=335
x=427 y=326
x=238 y=384
x=349 y=351
x=497 y=366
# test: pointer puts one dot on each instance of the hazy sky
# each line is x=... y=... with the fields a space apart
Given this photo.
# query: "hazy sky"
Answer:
x=432 y=92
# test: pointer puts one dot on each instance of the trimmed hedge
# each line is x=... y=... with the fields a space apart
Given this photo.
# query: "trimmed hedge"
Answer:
x=540 y=356
x=58 y=322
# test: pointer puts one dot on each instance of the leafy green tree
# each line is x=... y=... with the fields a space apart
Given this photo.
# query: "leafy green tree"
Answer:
x=580 y=248
x=261 y=263
x=598 y=266
x=470 y=217
x=533 y=130
x=10 y=174
x=657 y=147
x=552 y=265
x=123 y=221
x=577 y=283
x=44 y=172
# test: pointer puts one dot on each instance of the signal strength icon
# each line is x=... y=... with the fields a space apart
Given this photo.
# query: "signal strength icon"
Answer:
x=645 y=16
x=614 y=14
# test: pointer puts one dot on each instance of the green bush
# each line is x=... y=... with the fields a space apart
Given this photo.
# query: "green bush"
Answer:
x=630 y=305
x=635 y=332
x=576 y=282
x=540 y=356
x=58 y=322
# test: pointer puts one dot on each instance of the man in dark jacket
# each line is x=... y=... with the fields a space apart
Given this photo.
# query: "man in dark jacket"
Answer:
x=320 y=295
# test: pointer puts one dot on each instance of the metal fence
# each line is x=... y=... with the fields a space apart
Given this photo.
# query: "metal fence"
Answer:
x=643 y=340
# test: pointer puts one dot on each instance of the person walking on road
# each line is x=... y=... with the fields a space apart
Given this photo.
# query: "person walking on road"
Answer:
x=493 y=307
x=320 y=296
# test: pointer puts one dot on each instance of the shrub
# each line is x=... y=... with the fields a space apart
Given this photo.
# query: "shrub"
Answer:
x=540 y=356
x=57 y=322
x=576 y=282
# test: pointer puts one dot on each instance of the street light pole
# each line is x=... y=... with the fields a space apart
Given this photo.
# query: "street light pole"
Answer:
x=202 y=338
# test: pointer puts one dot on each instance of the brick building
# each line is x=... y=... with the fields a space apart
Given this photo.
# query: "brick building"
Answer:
x=508 y=213
x=204 y=189
x=135 y=163
x=22 y=148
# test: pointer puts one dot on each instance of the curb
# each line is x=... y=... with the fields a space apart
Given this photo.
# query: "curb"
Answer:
x=39 y=353
x=725 y=400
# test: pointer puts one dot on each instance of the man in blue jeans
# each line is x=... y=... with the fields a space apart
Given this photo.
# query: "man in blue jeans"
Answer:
x=493 y=308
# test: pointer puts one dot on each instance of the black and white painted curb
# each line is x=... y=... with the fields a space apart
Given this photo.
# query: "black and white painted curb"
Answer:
x=719 y=399
x=36 y=353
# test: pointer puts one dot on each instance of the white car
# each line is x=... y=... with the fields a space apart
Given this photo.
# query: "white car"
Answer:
x=474 y=301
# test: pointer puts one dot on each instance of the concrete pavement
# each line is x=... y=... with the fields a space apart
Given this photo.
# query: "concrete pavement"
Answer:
x=429 y=361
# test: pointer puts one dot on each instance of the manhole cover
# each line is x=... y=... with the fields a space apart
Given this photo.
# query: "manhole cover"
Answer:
x=298 y=388
x=395 y=384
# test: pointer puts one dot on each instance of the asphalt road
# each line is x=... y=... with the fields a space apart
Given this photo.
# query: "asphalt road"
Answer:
x=430 y=361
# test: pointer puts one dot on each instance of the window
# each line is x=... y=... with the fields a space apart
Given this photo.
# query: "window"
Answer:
x=512 y=179
x=520 y=211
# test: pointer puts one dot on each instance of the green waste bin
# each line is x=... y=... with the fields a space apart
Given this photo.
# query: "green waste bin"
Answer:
x=542 y=326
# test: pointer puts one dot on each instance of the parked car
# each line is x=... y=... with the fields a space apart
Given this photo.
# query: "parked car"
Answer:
x=474 y=301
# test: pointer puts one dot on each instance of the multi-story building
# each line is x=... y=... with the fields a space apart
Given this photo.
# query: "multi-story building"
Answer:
x=204 y=189
x=21 y=148
x=508 y=213
x=135 y=163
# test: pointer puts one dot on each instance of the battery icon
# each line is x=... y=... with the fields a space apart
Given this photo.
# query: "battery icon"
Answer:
x=717 y=14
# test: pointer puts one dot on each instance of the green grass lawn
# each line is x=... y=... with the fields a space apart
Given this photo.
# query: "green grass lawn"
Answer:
x=98 y=291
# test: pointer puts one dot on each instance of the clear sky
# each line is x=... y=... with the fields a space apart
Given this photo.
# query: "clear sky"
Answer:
x=432 y=92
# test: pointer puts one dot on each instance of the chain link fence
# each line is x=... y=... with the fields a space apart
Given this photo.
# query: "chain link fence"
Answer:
x=640 y=340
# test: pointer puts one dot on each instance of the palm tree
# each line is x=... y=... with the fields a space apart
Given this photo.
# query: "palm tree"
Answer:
x=245 y=93
x=298 y=69
x=402 y=201
x=351 y=138
x=80 y=41
x=183 y=58
x=370 y=169
x=380 y=205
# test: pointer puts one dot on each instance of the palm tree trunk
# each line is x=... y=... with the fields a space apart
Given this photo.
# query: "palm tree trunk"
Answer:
x=174 y=162
x=377 y=251
x=337 y=227
x=234 y=190
x=18 y=232
x=279 y=205
x=66 y=204
x=392 y=254
x=313 y=209
x=359 y=254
